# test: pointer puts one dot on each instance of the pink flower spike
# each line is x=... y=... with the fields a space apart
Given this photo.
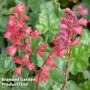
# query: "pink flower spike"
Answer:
x=11 y=50
x=76 y=42
x=83 y=21
x=18 y=71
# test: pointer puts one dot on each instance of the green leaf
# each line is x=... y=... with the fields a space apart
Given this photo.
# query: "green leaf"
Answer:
x=71 y=86
x=34 y=4
x=3 y=22
x=39 y=60
x=2 y=43
x=46 y=85
x=36 y=42
x=5 y=12
x=25 y=73
x=86 y=75
x=78 y=65
x=80 y=54
x=6 y=64
x=49 y=17
x=57 y=75
x=61 y=62
x=85 y=86
x=34 y=14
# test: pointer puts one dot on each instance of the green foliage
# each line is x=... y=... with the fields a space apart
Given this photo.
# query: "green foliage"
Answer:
x=6 y=64
x=49 y=17
x=80 y=53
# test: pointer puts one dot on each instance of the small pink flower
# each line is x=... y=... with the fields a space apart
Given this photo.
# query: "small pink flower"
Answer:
x=7 y=35
x=27 y=48
x=42 y=47
x=80 y=7
x=25 y=59
x=12 y=17
x=45 y=68
x=28 y=30
x=30 y=66
x=40 y=53
x=17 y=60
x=23 y=16
x=16 y=41
x=61 y=53
x=11 y=50
x=83 y=21
x=20 y=23
x=50 y=62
x=44 y=76
x=84 y=11
x=29 y=41
x=76 y=42
x=52 y=55
x=35 y=34
x=12 y=21
x=68 y=12
x=78 y=30
x=63 y=26
x=9 y=28
x=19 y=8
x=18 y=71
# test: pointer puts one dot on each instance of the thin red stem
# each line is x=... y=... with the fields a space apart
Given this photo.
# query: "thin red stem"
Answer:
x=67 y=69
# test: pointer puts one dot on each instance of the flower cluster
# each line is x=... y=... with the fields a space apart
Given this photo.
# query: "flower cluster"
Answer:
x=70 y=27
x=20 y=35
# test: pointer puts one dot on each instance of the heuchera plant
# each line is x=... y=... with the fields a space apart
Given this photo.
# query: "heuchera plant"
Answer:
x=19 y=34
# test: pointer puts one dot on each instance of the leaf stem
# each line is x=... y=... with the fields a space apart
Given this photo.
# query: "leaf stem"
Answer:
x=67 y=69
